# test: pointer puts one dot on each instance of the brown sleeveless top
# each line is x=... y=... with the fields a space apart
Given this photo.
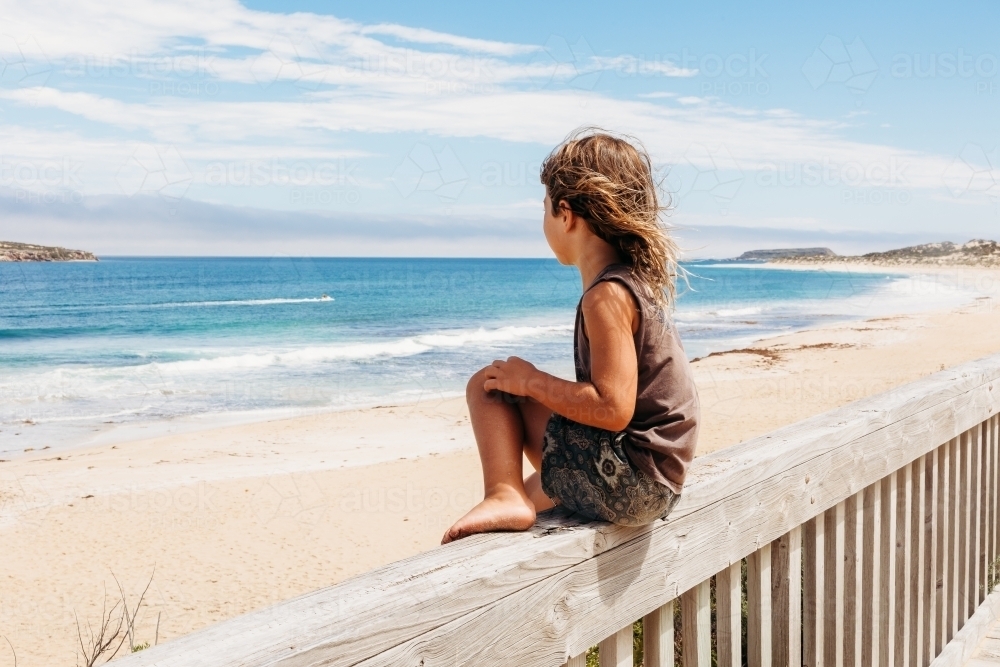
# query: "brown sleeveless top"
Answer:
x=664 y=429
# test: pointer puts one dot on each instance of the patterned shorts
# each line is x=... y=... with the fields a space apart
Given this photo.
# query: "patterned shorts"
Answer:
x=585 y=470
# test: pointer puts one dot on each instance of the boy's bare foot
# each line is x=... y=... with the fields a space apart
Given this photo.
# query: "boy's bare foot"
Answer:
x=503 y=509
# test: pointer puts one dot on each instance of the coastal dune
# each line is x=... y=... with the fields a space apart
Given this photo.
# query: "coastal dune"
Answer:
x=28 y=252
x=232 y=519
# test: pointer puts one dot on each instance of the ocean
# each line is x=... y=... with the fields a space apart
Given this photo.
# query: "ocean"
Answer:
x=88 y=348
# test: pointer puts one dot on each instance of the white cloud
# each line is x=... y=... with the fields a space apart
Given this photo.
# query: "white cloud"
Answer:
x=423 y=36
x=306 y=86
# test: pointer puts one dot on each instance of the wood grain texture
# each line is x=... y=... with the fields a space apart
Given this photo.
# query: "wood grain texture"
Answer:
x=930 y=646
x=995 y=490
x=988 y=516
x=833 y=587
x=696 y=626
x=965 y=536
x=955 y=537
x=854 y=593
x=759 y=607
x=729 y=615
x=872 y=576
x=981 y=516
x=974 y=500
x=904 y=587
x=658 y=637
x=580 y=661
x=943 y=610
x=786 y=591
x=887 y=593
x=546 y=594
x=812 y=595
x=795 y=597
x=616 y=650
x=915 y=564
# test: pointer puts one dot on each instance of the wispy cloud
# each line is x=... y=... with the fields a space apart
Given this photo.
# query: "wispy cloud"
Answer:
x=87 y=85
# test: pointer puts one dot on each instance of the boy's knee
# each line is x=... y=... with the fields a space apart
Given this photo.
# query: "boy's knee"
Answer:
x=474 y=389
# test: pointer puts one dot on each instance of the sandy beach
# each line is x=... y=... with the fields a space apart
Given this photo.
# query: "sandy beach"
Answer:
x=232 y=519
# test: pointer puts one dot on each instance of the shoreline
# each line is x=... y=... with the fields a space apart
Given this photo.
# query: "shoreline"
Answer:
x=233 y=519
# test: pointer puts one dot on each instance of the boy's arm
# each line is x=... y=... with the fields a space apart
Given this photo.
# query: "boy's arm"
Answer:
x=608 y=400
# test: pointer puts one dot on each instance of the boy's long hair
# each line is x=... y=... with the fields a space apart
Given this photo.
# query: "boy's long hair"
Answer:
x=608 y=181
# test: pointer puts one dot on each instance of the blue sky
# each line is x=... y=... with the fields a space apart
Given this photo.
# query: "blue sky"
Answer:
x=379 y=128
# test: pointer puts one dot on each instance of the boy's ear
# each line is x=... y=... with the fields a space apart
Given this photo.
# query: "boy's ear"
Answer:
x=567 y=215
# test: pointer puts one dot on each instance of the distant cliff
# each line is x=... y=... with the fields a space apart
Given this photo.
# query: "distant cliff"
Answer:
x=26 y=252
x=978 y=252
x=785 y=253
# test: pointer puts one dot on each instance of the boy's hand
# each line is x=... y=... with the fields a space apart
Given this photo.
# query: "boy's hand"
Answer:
x=511 y=376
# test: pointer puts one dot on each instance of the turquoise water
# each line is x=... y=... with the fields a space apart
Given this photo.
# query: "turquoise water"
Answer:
x=128 y=340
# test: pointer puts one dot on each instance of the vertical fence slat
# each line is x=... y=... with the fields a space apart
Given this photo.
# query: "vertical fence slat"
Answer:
x=579 y=661
x=982 y=464
x=759 y=607
x=852 y=580
x=991 y=485
x=988 y=517
x=942 y=569
x=871 y=575
x=915 y=563
x=994 y=490
x=903 y=587
x=887 y=593
x=795 y=598
x=954 y=490
x=786 y=600
x=994 y=487
x=696 y=626
x=973 y=521
x=962 y=557
x=812 y=612
x=658 y=637
x=930 y=561
x=616 y=650
x=833 y=586
x=728 y=616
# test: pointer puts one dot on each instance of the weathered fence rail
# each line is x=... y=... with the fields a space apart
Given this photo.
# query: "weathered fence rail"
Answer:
x=867 y=533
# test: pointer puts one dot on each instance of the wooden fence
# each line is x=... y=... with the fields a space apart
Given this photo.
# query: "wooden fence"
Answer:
x=861 y=537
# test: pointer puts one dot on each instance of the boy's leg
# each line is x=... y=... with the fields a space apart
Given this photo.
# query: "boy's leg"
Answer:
x=500 y=433
x=533 y=487
x=535 y=417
